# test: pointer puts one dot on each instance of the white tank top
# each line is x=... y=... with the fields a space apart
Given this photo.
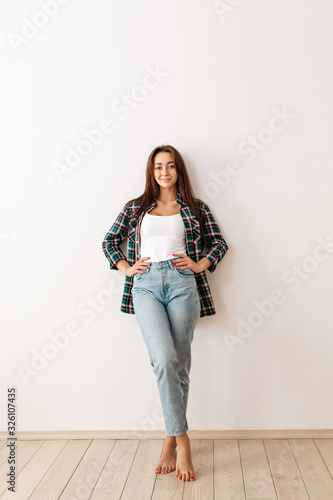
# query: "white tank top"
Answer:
x=161 y=236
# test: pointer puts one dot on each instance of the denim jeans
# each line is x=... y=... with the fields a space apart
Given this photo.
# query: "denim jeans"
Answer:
x=167 y=308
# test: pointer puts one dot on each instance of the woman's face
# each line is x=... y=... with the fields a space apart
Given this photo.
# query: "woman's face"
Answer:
x=165 y=170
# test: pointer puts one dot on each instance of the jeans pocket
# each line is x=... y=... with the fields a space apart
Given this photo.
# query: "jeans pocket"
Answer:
x=184 y=272
x=138 y=277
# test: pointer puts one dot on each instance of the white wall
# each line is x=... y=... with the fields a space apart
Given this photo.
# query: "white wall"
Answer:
x=226 y=74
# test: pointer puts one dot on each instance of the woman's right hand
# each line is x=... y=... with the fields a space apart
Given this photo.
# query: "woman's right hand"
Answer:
x=139 y=267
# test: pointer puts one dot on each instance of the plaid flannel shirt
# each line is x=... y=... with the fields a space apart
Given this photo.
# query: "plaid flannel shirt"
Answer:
x=125 y=225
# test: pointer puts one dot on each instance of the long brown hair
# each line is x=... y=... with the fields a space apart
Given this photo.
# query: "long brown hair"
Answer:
x=183 y=185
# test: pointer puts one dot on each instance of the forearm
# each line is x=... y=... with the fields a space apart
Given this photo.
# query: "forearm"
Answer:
x=204 y=263
x=122 y=265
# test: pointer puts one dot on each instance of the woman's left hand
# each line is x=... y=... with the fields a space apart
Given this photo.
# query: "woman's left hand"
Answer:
x=186 y=262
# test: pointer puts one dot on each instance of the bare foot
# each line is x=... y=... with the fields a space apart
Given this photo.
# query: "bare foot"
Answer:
x=184 y=466
x=167 y=462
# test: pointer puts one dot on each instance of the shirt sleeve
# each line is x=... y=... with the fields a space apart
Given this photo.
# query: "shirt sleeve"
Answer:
x=115 y=237
x=214 y=240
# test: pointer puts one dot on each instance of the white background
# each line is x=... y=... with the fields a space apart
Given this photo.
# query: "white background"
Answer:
x=225 y=73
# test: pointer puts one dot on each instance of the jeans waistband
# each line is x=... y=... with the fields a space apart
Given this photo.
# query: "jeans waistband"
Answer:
x=163 y=263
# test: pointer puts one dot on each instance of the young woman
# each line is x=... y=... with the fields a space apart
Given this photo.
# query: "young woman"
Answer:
x=166 y=285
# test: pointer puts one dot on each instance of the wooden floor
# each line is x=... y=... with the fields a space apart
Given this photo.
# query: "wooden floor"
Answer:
x=252 y=469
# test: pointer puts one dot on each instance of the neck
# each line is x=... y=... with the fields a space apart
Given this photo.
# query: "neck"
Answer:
x=167 y=195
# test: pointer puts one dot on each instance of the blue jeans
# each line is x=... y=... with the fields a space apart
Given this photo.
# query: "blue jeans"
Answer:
x=167 y=308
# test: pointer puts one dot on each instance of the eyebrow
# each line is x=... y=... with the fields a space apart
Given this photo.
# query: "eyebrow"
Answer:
x=167 y=163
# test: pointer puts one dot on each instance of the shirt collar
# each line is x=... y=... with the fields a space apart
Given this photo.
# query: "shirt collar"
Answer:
x=180 y=200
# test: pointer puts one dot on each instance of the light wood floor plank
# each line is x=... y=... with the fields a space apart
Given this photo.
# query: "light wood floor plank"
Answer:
x=258 y=481
x=141 y=479
x=87 y=473
x=316 y=477
x=203 y=463
x=3 y=452
x=114 y=474
x=24 y=451
x=286 y=476
x=33 y=472
x=58 y=475
x=293 y=468
x=168 y=487
x=325 y=447
x=228 y=479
